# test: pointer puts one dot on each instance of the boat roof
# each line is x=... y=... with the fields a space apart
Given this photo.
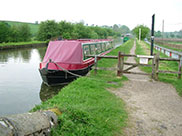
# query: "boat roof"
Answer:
x=68 y=51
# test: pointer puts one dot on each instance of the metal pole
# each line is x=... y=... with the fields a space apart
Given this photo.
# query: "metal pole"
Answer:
x=163 y=32
x=152 y=34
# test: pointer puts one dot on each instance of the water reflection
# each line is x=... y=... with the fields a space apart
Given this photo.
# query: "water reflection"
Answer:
x=24 y=54
x=20 y=81
x=41 y=52
x=47 y=92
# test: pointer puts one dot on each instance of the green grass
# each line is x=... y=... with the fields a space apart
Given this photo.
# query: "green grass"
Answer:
x=175 y=42
x=21 y=43
x=169 y=47
x=88 y=108
x=164 y=65
x=33 y=27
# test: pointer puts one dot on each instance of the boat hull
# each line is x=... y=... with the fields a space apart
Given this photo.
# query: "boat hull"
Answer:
x=57 y=77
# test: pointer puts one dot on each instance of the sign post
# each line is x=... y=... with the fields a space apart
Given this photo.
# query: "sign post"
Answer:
x=152 y=34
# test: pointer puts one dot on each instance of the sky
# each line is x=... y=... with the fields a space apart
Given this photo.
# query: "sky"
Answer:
x=98 y=12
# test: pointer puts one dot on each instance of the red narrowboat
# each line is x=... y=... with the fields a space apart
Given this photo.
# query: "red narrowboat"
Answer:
x=66 y=60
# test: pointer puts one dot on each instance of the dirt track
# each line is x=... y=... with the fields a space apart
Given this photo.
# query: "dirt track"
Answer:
x=155 y=109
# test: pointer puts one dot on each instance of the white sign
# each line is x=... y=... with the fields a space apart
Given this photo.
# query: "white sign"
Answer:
x=143 y=60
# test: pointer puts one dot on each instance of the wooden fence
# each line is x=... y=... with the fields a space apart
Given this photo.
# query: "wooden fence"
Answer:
x=143 y=62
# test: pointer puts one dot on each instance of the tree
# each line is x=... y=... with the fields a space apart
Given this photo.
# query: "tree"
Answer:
x=82 y=31
x=158 y=34
x=24 y=32
x=14 y=34
x=144 y=31
x=124 y=29
x=47 y=30
x=4 y=32
x=66 y=30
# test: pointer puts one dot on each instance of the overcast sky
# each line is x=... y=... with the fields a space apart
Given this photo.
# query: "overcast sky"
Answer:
x=99 y=12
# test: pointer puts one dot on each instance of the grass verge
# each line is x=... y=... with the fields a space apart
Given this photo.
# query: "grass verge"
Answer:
x=87 y=107
x=164 y=65
x=21 y=43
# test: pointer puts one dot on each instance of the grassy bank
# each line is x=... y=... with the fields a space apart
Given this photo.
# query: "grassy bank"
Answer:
x=21 y=43
x=164 y=65
x=88 y=108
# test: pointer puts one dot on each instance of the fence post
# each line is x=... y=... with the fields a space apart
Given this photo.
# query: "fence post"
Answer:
x=164 y=51
x=156 y=65
x=120 y=64
x=95 y=70
x=179 y=69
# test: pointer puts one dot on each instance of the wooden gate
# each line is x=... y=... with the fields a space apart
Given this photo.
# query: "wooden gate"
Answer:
x=143 y=61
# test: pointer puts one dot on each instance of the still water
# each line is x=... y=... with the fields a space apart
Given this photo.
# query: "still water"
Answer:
x=21 y=86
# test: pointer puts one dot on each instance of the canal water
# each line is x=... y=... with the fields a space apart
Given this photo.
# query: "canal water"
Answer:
x=21 y=86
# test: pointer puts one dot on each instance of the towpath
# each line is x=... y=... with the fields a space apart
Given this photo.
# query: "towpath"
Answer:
x=154 y=108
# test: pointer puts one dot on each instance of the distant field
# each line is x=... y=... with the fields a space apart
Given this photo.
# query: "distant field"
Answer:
x=174 y=44
x=34 y=27
x=180 y=42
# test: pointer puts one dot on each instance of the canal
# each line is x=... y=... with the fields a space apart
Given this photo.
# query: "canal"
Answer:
x=21 y=86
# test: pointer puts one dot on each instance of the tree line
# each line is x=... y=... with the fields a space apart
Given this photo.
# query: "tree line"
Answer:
x=176 y=34
x=50 y=29
x=15 y=33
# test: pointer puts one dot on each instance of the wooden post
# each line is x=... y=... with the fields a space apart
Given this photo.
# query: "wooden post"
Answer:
x=164 y=51
x=95 y=70
x=179 y=68
x=156 y=66
x=120 y=64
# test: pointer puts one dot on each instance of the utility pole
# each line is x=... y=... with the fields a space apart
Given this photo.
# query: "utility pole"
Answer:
x=152 y=34
x=163 y=31
x=140 y=34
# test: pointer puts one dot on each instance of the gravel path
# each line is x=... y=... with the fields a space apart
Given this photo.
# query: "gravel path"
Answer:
x=155 y=109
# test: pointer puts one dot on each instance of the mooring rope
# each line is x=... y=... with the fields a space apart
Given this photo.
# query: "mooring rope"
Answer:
x=66 y=70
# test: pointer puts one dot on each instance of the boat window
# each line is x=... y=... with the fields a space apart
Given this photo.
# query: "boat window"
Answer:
x=108 y=45
x=98 y=49
x=86 y=51
x=103 y=47
x=92 y=49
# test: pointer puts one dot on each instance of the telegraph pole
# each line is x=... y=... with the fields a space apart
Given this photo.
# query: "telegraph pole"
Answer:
x=152 y=34
x=140 y=34
x=163 y=31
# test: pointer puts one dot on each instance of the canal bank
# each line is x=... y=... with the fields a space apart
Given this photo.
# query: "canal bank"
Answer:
x=8 y=46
